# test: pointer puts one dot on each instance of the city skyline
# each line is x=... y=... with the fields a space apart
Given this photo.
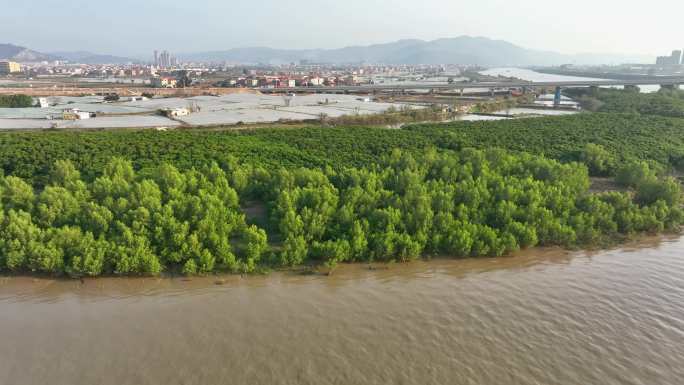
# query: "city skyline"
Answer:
x=136 y=29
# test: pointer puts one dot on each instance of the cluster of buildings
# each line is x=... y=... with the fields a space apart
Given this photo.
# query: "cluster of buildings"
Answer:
x=289 y=81
x=331 y=76
x=674 y=59
x=167 y=72
x=88 y=70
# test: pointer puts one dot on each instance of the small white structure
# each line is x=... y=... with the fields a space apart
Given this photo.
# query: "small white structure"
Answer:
x=176 y=112
x=316 y=81
x=137 y=98
x=43 y=103
x=75 y=114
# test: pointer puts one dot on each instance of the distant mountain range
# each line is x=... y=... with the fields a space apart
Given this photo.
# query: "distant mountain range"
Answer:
x=459 y=50
x=85 y=57
x=25 y=55
x=22 y=54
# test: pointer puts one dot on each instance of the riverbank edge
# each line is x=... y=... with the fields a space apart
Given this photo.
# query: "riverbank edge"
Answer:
x=319 y=269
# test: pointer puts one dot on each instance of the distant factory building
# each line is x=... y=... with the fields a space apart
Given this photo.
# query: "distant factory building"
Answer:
x=9 y=67
x=164 y=82
x=351 y=80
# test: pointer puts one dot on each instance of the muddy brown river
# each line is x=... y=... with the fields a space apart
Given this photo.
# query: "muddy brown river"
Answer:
x=542 y=317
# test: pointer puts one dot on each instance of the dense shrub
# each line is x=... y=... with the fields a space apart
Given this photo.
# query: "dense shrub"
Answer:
x=624 y=137
x=599 y=161
x=663 y=103
x=16 y=101
x=464 y=204
x=634 y=173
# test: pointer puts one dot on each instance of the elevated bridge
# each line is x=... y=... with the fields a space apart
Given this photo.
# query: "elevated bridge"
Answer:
x=662 y=81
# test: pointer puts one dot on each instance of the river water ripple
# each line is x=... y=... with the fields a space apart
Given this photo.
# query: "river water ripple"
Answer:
x=542 y=317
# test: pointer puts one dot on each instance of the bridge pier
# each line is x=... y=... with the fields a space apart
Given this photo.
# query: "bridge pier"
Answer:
x=557 y=97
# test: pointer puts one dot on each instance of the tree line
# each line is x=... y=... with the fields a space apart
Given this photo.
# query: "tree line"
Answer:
x=666 y=102
x=625 y=137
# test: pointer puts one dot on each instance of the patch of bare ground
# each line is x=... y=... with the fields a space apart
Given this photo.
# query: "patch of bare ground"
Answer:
x=255 y=212
x=599 y=185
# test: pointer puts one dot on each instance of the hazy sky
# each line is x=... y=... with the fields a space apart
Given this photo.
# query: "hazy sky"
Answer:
x=136 y=27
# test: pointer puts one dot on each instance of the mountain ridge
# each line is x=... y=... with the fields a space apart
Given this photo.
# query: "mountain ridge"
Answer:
x=458 y=50
x=22 y=54
x=464 y=50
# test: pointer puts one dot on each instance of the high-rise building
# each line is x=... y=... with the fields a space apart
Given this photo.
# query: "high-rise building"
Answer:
x=673 y=60
x=163 y=59
x=9 y=67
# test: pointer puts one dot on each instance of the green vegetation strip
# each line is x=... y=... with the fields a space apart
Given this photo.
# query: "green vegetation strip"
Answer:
x=624 y=137
x=663 y=103
x=463 y=204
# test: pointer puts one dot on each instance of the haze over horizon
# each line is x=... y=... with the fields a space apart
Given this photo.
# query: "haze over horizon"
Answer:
x=135 y=29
